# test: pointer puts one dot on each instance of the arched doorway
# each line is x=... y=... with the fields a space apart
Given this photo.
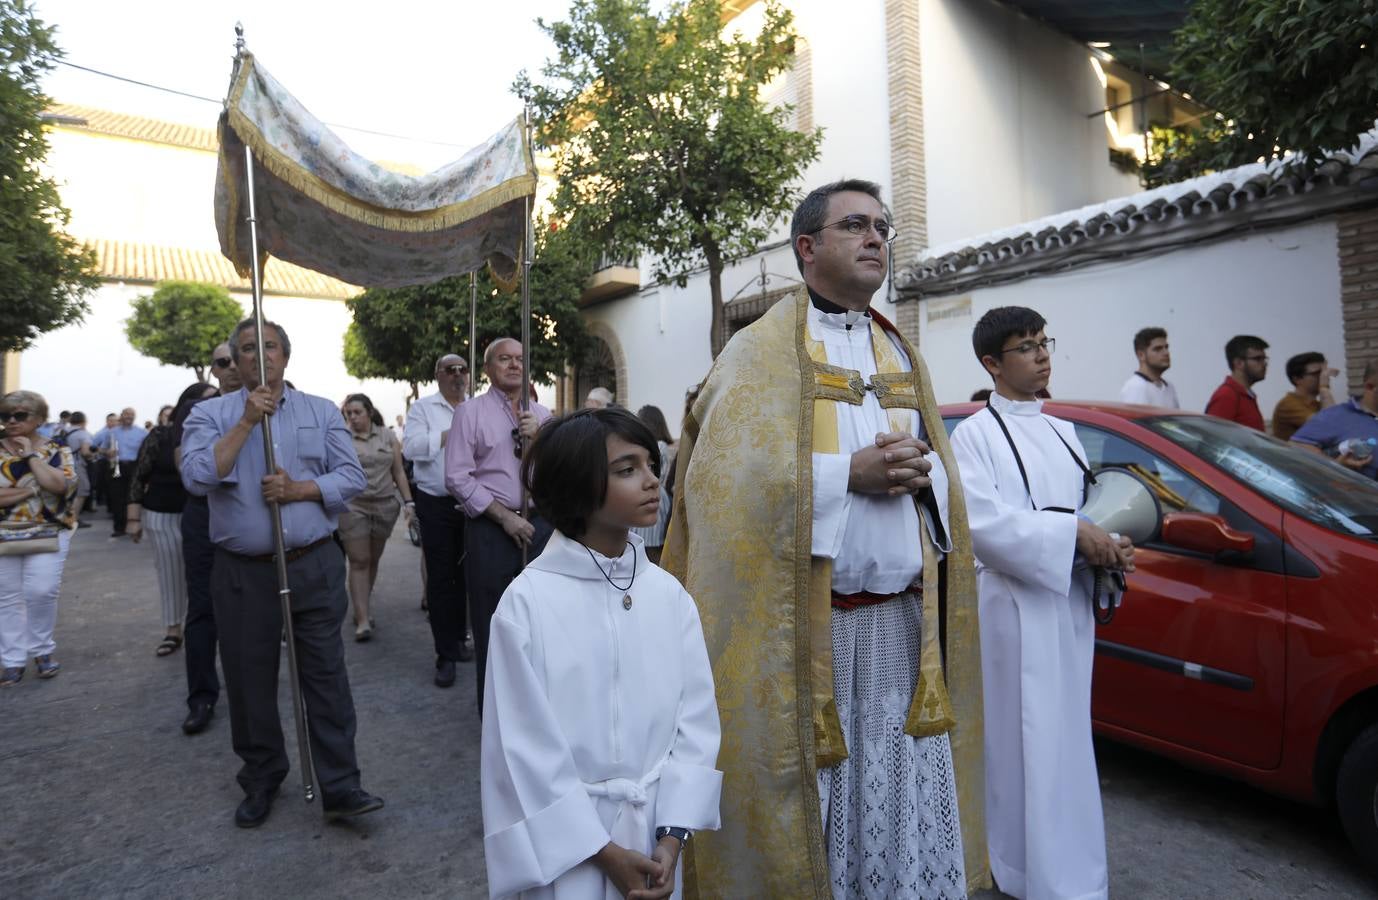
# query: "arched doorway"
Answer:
x=598 y=368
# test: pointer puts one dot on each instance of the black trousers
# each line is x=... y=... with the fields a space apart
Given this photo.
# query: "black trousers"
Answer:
x=442 y=545
x=99 y=471
x=198 y=553
x=248 y=615
x=119 y=494
x=494 y=560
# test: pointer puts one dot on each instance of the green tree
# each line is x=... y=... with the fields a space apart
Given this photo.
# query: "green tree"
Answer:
x=44 y=273
x=182 y=322
x=399 y=333
x=660 y=137
x=1286 y=76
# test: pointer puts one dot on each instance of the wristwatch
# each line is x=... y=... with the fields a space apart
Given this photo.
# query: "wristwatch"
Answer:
x=679 y=834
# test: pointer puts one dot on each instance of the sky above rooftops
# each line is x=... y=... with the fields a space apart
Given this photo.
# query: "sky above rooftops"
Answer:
x=429 y=71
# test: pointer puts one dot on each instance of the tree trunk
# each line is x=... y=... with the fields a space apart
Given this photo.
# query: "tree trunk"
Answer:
x=717 y=336
x=200 y=372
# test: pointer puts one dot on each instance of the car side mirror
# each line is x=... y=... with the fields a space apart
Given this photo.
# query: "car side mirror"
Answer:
x=1202 y=533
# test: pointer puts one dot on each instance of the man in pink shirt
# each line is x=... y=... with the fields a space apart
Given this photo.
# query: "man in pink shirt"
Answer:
x=483 y=472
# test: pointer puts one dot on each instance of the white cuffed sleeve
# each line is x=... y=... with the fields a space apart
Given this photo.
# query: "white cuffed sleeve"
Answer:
x=690 y=783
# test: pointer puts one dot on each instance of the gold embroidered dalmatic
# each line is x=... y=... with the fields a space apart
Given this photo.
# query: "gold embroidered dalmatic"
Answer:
x=740 y=540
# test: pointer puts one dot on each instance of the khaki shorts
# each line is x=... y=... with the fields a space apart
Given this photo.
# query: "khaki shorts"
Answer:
x=369 y=522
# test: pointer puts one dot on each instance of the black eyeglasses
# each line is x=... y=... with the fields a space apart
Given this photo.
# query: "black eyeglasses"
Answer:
x=455 y=369
x=1024 y=349
x=860 y=225
x=21 y=415
x=517 y=443
x=223 y=362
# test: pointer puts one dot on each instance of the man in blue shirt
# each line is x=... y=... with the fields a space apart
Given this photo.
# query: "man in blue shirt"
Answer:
x=121 y=443
x=1354 y=422
x=317 y=473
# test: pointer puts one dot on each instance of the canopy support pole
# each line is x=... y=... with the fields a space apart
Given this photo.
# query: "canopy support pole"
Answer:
x=527 y=251
x=308 y=771
x=473 y=331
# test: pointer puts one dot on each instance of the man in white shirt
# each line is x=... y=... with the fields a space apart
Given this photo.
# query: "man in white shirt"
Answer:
x=442 y=524
x=1147 y=386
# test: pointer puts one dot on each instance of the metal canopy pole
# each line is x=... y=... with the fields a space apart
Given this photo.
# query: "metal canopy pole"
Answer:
x=527 y=250
x=473 y=330
x=308 y=770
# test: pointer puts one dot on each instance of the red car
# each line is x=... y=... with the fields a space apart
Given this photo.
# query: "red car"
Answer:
x=1248 y=639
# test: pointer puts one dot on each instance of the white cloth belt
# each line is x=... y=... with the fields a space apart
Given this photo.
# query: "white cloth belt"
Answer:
x=630 y=828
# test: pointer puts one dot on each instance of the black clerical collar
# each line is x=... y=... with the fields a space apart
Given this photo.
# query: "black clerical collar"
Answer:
x=823 y=304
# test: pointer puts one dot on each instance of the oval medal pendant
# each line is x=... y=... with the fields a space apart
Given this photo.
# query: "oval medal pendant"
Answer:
x=626 y=601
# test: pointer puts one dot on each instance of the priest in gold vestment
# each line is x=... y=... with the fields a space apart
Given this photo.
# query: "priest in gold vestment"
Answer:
x=821 y=528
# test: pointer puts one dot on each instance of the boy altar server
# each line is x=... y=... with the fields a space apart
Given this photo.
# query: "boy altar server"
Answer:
x=600 y=730
x=1024 y=473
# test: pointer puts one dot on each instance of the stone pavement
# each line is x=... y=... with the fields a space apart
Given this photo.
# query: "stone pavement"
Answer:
x=103 y=796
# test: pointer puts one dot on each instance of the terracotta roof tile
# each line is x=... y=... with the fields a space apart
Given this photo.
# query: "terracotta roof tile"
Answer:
x=100 y=121
x=151 y=263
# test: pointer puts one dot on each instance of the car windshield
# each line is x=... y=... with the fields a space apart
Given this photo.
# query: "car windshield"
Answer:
x=1298 y=480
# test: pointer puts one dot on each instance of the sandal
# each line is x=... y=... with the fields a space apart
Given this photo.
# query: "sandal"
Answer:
x=363 y=632
x=46 y=667
x=170 y=644
x=11 y=676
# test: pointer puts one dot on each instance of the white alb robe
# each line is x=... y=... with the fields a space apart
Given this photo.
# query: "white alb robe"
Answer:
x=889 y=809
x=599 y=721
x=1043 y=807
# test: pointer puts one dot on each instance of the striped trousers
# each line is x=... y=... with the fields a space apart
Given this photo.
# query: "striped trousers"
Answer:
x=165 y=531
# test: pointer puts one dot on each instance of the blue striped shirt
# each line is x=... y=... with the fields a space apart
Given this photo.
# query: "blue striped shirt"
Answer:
x=311 y=443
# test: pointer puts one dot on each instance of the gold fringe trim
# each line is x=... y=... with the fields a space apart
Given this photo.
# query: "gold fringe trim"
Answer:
x=336 y=200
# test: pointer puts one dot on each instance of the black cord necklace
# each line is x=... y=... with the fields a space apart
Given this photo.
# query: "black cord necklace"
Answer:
x=607 y=576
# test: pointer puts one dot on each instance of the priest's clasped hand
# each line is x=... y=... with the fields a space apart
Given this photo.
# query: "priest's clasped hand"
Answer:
x=894 y=466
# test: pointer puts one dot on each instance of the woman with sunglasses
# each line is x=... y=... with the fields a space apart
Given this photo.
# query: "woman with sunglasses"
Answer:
x=373 y=513
x=37 y=485
x=156 y=499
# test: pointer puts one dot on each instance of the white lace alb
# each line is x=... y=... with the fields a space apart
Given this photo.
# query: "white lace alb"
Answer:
x=889 y=808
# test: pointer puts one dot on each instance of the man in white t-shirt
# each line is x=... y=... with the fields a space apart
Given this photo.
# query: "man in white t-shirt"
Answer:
x=1147 y=385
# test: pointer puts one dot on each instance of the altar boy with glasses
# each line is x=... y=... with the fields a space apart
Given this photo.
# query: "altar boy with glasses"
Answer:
x=1024 y=474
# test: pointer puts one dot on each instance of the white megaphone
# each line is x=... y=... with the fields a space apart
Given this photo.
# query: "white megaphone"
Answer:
x=1123 y=503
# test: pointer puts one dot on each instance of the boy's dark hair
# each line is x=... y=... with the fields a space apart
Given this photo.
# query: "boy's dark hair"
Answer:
x=810 y=215
x=1000 y=323
x=1296 y=366
x=1238 y=347
x=1147 y=336
x=566 y=470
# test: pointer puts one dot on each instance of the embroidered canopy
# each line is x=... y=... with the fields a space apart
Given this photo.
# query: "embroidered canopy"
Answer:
x=322 y=206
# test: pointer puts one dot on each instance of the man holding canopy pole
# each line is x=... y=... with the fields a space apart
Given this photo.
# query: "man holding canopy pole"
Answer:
x=317 y=473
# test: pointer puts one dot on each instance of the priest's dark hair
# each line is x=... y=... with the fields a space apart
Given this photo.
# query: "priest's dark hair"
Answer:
x=811 y=214
x=566 y=470
x=999 y=324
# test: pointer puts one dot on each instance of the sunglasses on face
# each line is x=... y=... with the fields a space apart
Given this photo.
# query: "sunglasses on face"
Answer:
x=223 y=362
x=20 y=415
x=455 y=370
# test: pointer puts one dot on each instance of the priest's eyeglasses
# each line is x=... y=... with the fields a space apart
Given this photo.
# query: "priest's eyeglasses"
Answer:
x=1024 y=349
x=860 y=225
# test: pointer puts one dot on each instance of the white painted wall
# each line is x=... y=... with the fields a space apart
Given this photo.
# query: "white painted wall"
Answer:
x=134 y=190
x=91 y=367
x=1281 y=285
x=1006 y=132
